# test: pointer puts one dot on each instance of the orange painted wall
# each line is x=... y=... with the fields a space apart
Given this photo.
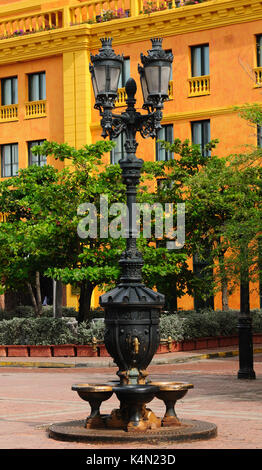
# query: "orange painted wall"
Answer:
x=232 y=56
x=50 y=127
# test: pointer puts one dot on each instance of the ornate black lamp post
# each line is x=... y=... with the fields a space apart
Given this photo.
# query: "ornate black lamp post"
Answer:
x=131 y=309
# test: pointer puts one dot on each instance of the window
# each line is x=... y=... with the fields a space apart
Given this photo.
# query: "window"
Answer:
x=39 y=160
x=201 y=135
x=118 y=151
x=166 y=133
x=259 y=136
x=259 y=50
x=9 y=160
x=125 y=74
x=169 y=51
x=9 y=93
x=200 y=60
x=36 y=86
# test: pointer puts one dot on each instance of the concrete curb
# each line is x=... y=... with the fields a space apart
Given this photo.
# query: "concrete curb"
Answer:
x=110 y=363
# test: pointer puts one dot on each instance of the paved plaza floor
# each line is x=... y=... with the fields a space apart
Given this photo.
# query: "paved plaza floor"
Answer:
x=32 y=398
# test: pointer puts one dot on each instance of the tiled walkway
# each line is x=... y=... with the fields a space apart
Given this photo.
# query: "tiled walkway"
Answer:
x=31 y=398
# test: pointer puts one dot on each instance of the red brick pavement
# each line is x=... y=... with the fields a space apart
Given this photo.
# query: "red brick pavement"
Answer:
x=31 y=399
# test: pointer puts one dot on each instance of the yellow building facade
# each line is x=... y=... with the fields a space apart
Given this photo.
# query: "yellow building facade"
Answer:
x=46 y=87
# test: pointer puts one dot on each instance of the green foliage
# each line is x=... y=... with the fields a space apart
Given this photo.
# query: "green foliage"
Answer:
x=180 y=326
x=42 y=331
x=26 y=311
x=251 y=112
x=87 y=331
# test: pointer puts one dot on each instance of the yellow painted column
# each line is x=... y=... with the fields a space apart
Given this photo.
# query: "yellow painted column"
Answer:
x=77 y=113
x=69 y=99
x=82 y=98
x=77 y=98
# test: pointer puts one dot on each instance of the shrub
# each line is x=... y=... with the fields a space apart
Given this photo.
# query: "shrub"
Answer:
x=87 y=331
x=181 y=325
x=42 y=331
x=257 y=321
x=26 y=311
x=172 y=325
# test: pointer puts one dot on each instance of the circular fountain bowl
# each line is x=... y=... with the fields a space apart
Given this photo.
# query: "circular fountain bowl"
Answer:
x=135 y=393
x=172 y=390
x=172 y=385
x=93 y=392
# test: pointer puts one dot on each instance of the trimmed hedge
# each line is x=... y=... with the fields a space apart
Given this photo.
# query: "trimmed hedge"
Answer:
x=27 y=311
x=180 y=326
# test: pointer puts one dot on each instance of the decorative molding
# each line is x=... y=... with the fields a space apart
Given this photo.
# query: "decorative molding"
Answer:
x=181 y=20
x=199 y=114
x=207 y=15
x=185 y=116
x=44 y=44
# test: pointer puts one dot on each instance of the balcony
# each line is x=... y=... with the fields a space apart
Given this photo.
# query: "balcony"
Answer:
x=9 y=113
x=26 y=24
x=258 y=76
x=199 y=86
x=35 y=109
x=91 y=11
x=121 y=95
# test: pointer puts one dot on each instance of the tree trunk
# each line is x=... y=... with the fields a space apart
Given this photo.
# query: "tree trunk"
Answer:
x=224 y=281
x=225 y=307
x=59 y=299
x=38 y=293
x=86 y=290
x=33 y=299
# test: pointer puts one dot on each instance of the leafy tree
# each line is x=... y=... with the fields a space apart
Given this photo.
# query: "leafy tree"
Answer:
x=226 y=198
x=42 y=207
x=172 y=177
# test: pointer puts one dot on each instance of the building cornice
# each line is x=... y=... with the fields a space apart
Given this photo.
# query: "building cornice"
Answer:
x=207 y=15
x=186 y=116
x=44 y=44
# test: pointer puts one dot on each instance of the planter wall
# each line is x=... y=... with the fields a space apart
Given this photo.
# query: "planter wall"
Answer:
x=17 y=351
x=40 y=351
x=3 y=351
x=85 y=350
x=64 y=350
x=74 y=350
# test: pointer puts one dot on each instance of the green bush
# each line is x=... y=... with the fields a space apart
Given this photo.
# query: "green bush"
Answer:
x=26 y=311
x=257 y=321
x=87 y=331
x=181 y=325
x=172 y=325
x=42 y=331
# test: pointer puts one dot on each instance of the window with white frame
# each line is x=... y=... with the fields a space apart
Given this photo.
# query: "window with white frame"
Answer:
x=9 y=91
x=118 y=151
x=37 y=86
x=200 y=60
x=125 y=73
x=39 y=159
x=9 y=160
x=166 y=134
x=259 y=50
x=201 y=135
